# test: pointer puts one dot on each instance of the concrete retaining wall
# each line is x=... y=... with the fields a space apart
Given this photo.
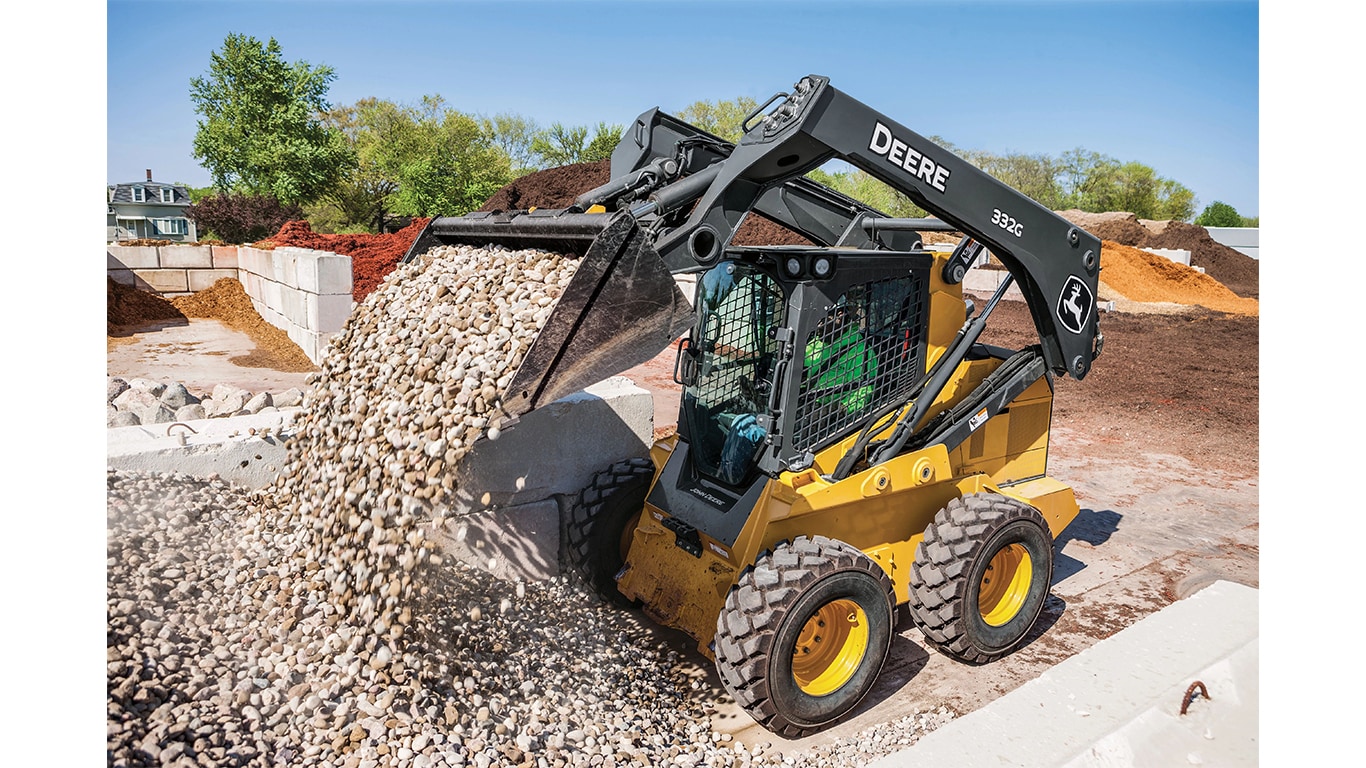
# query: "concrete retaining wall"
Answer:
x=171 y=270
x=1244 y=240
x=305 y=293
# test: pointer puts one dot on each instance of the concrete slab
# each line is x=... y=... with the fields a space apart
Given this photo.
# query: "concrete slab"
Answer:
x=198 y=353
x=244 y=450
x=1118 y=703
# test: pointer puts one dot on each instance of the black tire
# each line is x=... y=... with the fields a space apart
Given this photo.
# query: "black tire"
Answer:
x=601 y=516
x=767 y=631
x=962 y=610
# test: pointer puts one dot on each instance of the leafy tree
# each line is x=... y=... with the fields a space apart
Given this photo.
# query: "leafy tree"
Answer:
x=1253 y=221
x=1099 y=183
x=722 y=118
x=362 y=196
x=566 y=145
x=868 y=190
x=513 y=134
x=198 y=193
x=444 y=161
x=261 y=130
x=239 y=218
x=1219 y=214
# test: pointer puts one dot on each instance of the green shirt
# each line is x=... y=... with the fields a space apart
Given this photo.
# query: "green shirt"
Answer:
x=841 y=362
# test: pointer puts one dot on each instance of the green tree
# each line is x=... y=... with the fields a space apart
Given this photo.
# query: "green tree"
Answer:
x=363 y=195
x=444 y=161
x=869 y=191
x=261 y=130
x=1219 y=214
x=722 y=118
x=513 y=134
x=566 y=145
x=1098 y=183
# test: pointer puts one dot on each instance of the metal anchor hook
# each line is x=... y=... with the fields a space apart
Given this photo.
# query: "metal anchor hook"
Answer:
x=1186 y=700
x=180 y=436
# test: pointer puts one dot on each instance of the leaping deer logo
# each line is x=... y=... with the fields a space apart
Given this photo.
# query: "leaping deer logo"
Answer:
x=1074 y=305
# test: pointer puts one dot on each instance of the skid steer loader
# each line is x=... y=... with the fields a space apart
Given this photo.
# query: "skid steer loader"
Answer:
x=847 y=451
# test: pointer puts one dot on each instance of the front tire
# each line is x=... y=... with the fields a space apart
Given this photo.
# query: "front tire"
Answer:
x=804 y=633
x=980 y=576
x=602 y=520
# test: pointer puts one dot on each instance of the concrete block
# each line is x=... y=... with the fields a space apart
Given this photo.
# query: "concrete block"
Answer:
x=327 y=313
x=284 y=264
x=521 y=542
x=124 y=276
x=557 y=449
x=323 y=272
x=313 y=343
x=210 y=446
x=131 y=257
x=187 y=256
x=253 y=260
x=199 y=279
x=272 y=294
x=163 y=280
x=224 y=256
x=988 y=280
x=294 y=306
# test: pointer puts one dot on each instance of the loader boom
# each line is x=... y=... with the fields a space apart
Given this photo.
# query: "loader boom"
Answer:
x=1055 y=263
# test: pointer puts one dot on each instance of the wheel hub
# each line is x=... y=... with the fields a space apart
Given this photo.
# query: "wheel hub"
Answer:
x=1005 y=585
x=830 y=647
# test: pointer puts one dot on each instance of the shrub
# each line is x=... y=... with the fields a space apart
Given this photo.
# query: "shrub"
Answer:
x=1218 y=214
x=242 y=218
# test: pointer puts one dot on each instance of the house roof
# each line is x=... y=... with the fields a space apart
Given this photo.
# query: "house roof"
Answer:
x=123 y=193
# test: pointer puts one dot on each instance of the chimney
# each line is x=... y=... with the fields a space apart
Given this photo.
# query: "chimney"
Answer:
x=149 y=174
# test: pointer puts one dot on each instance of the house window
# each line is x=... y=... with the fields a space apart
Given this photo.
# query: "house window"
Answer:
x=172 y=226
x=168 y=194
x=139 y=194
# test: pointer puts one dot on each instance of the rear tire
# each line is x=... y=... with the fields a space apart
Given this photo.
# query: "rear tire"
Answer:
x=601 y=521
x=980 y=576
x=804 y=633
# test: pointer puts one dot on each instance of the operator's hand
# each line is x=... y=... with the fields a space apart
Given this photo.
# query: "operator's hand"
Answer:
x=747 y=427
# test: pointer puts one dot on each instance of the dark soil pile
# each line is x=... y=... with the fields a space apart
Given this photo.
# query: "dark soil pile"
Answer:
x=551 y=188
x=372 y=256
x=1235 y=270
x=1238 y=272
x=128 y=307
x=226 y=301
x=557 y=188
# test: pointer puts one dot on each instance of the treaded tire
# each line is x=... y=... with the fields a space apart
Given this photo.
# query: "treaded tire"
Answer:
x=762 y=625
x=598 y=519
x=946 y=581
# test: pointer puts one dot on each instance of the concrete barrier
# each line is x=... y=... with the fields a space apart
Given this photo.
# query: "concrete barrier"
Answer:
x=511 y=492
x=1118 y=703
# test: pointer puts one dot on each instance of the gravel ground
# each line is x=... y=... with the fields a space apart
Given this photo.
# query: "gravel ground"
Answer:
x=222 y=653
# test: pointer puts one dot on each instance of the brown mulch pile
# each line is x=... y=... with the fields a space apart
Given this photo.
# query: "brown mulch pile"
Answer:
x=1146 y=277
x=226 y=301
x=127 y=306
x=1238 y=272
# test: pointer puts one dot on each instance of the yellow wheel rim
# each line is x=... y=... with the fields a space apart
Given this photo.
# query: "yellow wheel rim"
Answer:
x=830 y=647
x=628 y=533
x=1005 y=584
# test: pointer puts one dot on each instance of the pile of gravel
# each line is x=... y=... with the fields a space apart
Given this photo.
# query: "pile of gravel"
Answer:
x=313 y=623
x=141 y=401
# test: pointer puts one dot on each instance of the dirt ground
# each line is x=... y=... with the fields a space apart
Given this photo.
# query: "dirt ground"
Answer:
x=1159 y=441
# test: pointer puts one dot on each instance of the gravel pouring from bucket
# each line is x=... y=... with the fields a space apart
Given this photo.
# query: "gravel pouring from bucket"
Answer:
x=621 y=309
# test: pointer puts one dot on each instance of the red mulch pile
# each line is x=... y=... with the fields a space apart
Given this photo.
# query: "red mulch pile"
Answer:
x=372 y=256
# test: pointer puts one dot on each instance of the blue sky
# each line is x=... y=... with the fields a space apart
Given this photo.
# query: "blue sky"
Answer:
x=1173 y=85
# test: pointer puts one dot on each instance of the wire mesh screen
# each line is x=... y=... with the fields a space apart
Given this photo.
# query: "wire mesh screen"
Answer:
x=863 y=355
